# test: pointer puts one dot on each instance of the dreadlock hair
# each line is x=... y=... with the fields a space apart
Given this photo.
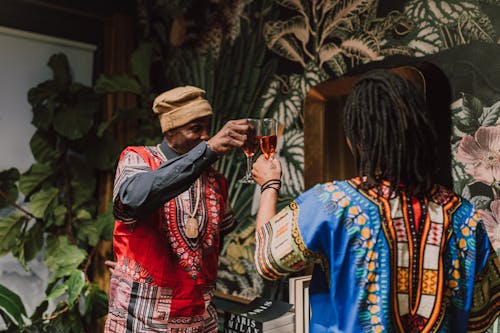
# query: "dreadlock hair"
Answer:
x=392 y=137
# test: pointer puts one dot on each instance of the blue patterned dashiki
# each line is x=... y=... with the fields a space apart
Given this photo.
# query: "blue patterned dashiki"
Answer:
x=385 y=263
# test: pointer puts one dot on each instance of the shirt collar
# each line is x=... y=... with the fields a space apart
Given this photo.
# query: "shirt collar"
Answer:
x=167 y=151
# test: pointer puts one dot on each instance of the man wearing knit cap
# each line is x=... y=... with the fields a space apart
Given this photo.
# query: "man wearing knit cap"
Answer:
x=171 y=211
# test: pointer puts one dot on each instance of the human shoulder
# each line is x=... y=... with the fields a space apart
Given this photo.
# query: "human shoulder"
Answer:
x=151 y=155
x=333 y=190
x=140 y=149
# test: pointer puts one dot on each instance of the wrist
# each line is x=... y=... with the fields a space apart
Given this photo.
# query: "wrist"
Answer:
x=211 y=149
x=275 y=184
x=270 y=187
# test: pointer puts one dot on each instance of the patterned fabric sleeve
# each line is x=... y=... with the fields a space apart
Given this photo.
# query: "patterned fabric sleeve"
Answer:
x=486 y=297
x=129 y=165
x=280 y=244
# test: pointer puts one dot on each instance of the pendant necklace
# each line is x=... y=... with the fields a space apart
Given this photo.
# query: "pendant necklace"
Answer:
x=192 y=222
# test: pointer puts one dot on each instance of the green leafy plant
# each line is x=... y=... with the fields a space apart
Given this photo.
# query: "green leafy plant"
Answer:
x=440 y=25
x=335 y=35
x=59 y=211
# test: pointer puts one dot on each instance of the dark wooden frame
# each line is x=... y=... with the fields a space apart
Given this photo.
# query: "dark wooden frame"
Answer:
x=326 y=154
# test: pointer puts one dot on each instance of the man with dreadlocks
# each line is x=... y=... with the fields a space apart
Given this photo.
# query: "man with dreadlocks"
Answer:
x=392 y=251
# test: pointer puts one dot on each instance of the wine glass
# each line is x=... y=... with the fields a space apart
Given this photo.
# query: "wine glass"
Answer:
x=268 y=139
x=250 y=148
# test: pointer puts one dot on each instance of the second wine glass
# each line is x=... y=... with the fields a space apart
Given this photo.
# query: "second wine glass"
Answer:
x=250 y=148
x=268 y=139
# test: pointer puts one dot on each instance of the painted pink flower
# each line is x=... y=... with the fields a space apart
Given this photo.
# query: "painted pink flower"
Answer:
x=491 y=221
x=481 y=154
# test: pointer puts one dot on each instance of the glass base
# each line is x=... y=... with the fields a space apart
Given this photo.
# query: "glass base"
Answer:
x=246 y=180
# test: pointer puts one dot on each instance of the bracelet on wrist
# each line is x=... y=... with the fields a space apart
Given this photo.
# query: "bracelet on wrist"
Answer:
x=268 y=187
x=272 y=181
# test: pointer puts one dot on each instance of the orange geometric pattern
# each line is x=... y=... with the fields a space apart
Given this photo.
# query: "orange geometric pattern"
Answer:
x=429 y=283
x=403 y=281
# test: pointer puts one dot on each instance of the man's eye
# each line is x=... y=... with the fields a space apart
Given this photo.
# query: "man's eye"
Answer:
x=196 y=129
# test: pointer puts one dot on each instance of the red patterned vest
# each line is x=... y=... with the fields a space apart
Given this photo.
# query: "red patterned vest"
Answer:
x=157 y=249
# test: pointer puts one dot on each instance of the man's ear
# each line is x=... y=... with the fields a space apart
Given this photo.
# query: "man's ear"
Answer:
x=170 y=133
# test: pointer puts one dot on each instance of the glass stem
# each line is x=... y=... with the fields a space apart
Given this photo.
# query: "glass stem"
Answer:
x=249 y=167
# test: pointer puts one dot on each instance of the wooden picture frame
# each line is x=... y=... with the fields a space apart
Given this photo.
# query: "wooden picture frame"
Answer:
x=326 y=154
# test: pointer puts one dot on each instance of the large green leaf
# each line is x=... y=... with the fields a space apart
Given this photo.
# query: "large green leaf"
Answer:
x=466 y=113
x=8 y=179
x=491 y=115
x=42 y=146
x=75 y=284
x=11 y=303
x=60 y=68
x=83 y=177
x=43 y=116
x=59 y=215
x=88 y=232
x=91 y=231
x=42 y=201
x=63 y=258
x=10 y=230
x=74 y=121
x=57 y=291
x=39 y=94
x=34 y=177
x=31 y=245
x=117 y=83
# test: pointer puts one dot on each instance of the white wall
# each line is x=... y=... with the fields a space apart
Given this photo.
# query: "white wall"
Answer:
x=23 y=65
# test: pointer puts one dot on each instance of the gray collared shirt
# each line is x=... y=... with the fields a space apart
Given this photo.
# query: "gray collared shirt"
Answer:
x=138 y=189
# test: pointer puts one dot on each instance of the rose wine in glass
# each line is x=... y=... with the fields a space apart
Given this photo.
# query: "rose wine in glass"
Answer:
x=250 y=148
x=269 y=140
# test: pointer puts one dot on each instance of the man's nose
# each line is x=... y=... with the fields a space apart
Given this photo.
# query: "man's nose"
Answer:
x=205 y=135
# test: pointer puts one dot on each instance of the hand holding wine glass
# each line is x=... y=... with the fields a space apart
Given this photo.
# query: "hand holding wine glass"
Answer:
x=269 y=139
x=250 y=148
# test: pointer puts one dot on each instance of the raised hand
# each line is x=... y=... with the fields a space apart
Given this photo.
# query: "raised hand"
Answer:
x=266 y=169
x=232 y=135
